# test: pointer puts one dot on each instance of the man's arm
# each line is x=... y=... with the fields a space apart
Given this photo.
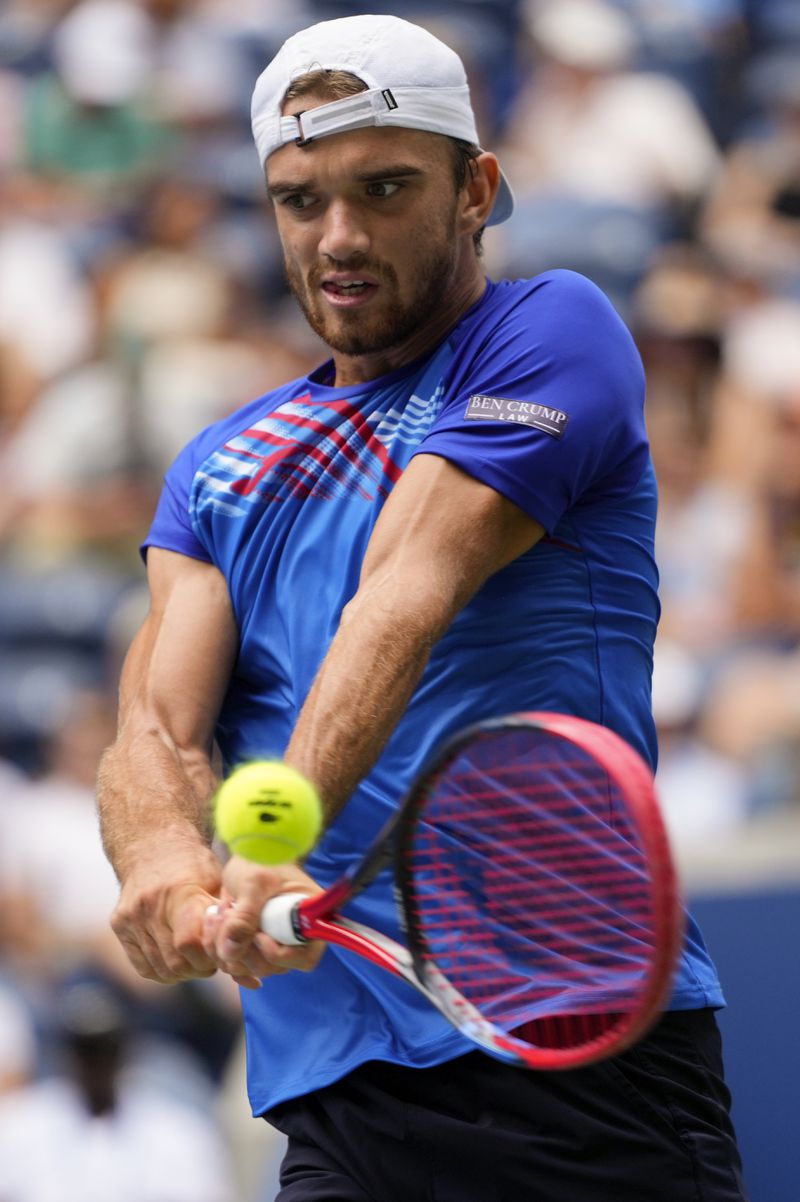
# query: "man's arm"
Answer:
x=440 y=536
x=156 y=780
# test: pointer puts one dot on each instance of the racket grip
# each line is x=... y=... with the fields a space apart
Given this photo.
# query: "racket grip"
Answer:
x=279 y=918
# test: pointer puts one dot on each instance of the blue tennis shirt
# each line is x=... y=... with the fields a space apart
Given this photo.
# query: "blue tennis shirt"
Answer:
x=538 y=392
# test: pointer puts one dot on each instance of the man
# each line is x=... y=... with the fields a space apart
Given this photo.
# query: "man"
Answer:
x=453 y=518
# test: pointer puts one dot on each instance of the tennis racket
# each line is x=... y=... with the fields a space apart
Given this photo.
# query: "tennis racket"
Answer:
x=536 y=889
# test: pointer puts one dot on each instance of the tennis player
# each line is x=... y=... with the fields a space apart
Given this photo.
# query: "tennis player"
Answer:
x=452 y=518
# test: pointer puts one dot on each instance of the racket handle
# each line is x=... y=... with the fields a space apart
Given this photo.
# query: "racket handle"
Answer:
x=279 y=918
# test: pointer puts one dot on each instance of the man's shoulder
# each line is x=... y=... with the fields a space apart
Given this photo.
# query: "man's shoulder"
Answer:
x=558 y=309
x=555 y=291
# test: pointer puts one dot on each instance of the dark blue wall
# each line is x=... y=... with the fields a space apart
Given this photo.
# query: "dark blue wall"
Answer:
x=755 y=940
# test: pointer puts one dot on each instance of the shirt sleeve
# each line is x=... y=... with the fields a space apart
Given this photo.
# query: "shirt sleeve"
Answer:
x=172 y=526
x=544 y=401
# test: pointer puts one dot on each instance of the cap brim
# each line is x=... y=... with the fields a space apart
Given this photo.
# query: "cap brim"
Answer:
x=504 y=203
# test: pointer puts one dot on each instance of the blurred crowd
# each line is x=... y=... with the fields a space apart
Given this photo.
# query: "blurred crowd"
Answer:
x=653 y=145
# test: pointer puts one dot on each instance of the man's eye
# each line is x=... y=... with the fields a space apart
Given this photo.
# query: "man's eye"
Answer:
x=296 y=201
x=382 y=189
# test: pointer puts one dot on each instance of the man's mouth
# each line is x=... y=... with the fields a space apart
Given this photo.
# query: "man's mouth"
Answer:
x=348 y=291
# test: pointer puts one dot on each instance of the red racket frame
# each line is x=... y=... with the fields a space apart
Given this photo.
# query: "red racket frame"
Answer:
x=317 y=917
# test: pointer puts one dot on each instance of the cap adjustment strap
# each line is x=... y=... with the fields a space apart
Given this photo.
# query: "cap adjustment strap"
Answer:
x=352 y=112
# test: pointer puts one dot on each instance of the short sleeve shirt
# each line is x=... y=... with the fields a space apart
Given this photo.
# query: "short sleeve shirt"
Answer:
x=538 y=393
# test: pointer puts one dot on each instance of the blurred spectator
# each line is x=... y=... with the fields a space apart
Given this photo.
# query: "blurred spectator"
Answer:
x=12 y=92
x=90 y=491
x=773 y=23
x=57 y=889
x=606 y=161
x=96 y=1132
x=57 y=893
x=17 y=1042
x=206 y=57
x=167 y=285
x=58 y=630
x=757 y=445
x=46 y=308
x=729 y=549
x=678 y=313
x=594 y=126
x=88 y=118
x=701 y=44
x=704 y=790
x=752 y=218
x=197 y=78
x=25 y=28
x=752 y=717
x=680 y=309
x=723 y=416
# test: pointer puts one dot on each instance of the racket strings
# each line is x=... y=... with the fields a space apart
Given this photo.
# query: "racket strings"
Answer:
x=567 y=1030
x=529 y=889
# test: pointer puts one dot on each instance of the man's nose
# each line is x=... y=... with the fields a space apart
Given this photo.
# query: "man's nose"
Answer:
x=344 y=233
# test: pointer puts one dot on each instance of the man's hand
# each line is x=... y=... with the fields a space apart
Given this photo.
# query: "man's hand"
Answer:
x=161 y=911
x=232 y=937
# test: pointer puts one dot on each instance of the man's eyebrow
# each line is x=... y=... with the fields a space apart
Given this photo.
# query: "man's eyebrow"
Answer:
x=389 y=172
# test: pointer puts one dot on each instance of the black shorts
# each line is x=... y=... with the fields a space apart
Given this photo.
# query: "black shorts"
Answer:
x=651 y=1125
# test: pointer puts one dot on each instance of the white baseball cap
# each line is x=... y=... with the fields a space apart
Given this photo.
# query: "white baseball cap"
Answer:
x=413 y=80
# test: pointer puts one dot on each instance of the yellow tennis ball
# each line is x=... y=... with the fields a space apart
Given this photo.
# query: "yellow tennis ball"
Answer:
x=268 y=812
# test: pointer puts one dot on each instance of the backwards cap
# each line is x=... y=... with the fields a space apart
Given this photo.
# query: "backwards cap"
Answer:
x=413 y=80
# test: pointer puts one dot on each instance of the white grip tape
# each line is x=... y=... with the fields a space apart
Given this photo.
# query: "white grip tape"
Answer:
x=276 y=917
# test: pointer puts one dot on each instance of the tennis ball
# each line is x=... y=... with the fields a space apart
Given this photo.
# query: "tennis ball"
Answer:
x=267 y=812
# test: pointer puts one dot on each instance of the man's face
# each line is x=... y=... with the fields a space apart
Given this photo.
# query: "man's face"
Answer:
x=368 y=223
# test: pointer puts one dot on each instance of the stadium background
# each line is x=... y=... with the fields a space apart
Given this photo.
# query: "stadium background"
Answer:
x=653 y=145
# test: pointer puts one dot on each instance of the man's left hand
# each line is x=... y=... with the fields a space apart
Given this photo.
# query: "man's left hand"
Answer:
x=232 y=935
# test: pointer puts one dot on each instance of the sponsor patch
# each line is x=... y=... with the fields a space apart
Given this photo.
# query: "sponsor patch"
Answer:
x=526 y=413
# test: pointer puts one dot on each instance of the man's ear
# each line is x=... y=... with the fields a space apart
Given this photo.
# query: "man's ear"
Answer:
x=479 y=192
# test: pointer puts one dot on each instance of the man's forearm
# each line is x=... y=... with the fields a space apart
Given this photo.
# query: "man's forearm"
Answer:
x=363 y=687
x=439 y=537
x=149 y=793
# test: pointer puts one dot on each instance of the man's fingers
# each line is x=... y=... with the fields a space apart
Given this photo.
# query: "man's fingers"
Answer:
x=255 y=967
x=137 y=957
x=145 y=956
x=157 y=951
x=232 y=937
x=187 y=941
x=277 y=958
x=238 y=929
x=231 y=931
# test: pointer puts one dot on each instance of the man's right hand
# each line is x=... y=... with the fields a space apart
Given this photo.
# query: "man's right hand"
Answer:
x=161 y=912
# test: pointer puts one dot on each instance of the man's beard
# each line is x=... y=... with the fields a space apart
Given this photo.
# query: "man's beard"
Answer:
x=361 y=333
